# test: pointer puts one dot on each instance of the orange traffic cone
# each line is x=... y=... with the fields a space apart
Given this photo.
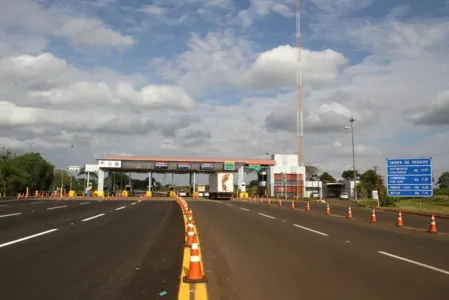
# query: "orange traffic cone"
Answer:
x=293 y=205
x=433 y=225
x=190 y=235
x=373 y=217
x=195 y=274
x=269 y=201
x=349 y=216
x=328 y=210
x=399 y=223
x=190 y=219
x=308 y=207
x=280 y=203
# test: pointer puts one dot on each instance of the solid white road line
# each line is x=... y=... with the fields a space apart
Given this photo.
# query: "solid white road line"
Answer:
x=120 y=208
x=3 y=205
x=266 y=216
x=2 y=201
x=26 y=238
x=97 y=216
x=229 y=205
x=10 y=215
x=134 y=203
x=84 y=203
x=311 y=230
x=139 y=201
x=244 y=209
x=56 y=207
x=414 y=262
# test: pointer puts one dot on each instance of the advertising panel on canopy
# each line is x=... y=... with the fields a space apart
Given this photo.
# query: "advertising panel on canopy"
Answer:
x=206 y=166
x=184 y=166
x=161 y=165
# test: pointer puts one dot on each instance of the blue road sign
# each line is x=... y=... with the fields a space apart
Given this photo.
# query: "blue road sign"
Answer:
x=409 y=177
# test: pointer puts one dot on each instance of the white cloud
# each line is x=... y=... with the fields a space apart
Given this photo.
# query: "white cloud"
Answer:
x=402 y=39
x=436 y=113
x=222 y=58
x=277 y=67
x=153 y=10
x=50 y=81
x=58 y=21
x=93 y=32
x=26 y=67
x=341 y=7
x=262 y=8
x=11 y=44
x=216 y=3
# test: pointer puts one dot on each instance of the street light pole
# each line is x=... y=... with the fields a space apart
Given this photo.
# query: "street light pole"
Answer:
x=352 y=120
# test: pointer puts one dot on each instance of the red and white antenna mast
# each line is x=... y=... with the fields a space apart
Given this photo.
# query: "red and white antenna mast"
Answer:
x=299 y=111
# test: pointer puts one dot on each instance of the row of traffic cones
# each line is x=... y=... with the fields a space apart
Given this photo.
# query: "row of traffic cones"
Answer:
x=293 y=206
x=432 y=228
x=399 y=222
x=195 y=274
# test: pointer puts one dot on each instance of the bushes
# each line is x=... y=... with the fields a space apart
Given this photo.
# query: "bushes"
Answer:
x=441 y=191
x=389 y=201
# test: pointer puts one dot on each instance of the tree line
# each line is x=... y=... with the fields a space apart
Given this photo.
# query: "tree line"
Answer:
x=370 y=180
x=21 y=170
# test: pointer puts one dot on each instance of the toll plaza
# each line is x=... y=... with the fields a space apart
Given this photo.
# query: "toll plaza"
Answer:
x=176 y=165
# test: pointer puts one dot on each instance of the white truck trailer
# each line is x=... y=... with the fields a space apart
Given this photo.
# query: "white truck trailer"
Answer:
x=221 y=185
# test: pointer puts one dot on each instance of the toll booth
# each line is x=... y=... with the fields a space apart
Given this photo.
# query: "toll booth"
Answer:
x=262 y=178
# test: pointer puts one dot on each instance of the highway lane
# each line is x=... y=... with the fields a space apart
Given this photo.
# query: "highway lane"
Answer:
x=96 y=251
x=252 y=254
x=417 y=245
x=340 y=207
x=35 y=205
x=52 y=214
x=364 y=214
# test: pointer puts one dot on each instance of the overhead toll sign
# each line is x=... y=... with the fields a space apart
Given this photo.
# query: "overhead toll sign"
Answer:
x=206 y=166
x=161 y=165
x=229 y=166
x=74 y=168
x=184 y=166
x=409 y=177
x=109 y=164
x=255 y=168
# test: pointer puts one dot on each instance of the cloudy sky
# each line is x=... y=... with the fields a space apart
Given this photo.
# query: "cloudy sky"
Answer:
x=216 y=78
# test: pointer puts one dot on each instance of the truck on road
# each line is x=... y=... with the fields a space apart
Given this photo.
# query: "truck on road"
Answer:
x=221 y=185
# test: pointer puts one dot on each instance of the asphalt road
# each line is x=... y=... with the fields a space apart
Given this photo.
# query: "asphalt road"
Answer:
x=363 y=214
x=90 y=249
x=254 y=251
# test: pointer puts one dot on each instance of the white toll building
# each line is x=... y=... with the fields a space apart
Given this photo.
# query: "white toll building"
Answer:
x=288 y=179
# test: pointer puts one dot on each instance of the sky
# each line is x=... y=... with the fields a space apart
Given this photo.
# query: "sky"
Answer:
x=217 y=78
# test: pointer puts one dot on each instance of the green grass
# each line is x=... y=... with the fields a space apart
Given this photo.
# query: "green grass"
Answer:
x=368 y=202
x=438 y=204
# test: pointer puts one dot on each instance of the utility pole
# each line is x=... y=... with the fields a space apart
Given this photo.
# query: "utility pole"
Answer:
x=299 y=105
x=379 y=187
x=352 y=120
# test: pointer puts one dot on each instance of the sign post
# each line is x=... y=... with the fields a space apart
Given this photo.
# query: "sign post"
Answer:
x=409 y=177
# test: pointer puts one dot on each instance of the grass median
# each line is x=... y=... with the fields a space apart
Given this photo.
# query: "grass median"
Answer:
x=438 y=204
